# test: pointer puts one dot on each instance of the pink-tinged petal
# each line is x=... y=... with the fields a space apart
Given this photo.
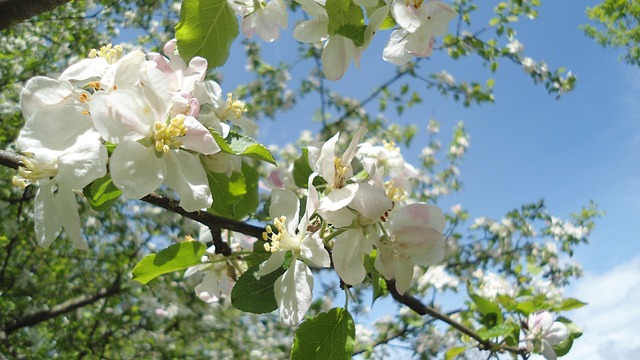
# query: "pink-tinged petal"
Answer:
x=312 y=249
x=198 y=137
x=83 y=163
x=348 y=251
x=557 y=332
x=293 y=292
x=423 y=244
x=121 y=116
x=86 y=69
x=370 y=201
x=338 y=198
x=285 y=203
x=395 y=51
x=439 y=15
x=186 y=176
x=56 y=128
x=56 y=208
x=420 y=43
x=403 y=271
x=136 y=170
x=273 y=263
x=41 y=92
x=311 y=31
x=196 y=71
x=547 y=351
x=418 y=214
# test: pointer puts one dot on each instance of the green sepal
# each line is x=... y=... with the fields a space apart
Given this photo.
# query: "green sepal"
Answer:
x=329 y=335
x=174 y=258
x=206 y=28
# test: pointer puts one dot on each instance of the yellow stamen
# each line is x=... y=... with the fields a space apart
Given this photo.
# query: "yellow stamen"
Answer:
x=165 y=135
x=108 y=52
x=34 y=170
x=341 y=171
x=394 y=193
x=282 y=240
x=231 y=110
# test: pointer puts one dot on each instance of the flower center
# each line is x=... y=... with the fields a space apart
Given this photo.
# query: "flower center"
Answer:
x=231 y=110
x=108 y=52
x=282 y=240
x=394 y=193
x=34 y=170
x=340 y=174
x=165 y=134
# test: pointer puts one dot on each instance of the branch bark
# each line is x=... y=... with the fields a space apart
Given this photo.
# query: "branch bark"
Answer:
x=63 y=308
x=15 y=11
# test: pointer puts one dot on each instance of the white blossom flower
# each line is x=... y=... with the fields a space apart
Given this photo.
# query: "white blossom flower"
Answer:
x=293 y=289
x=263 y=18
x=542 y=333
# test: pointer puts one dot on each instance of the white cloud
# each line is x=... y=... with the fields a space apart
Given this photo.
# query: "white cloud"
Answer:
x=611 y=321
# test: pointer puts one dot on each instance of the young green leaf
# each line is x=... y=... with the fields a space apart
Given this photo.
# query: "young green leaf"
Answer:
x=235 y=196
x=174 y=258
x=254 y=295
x=102 y=193
x=330 y=335
x=207 y=29
x=341 y=13
x=302 y=169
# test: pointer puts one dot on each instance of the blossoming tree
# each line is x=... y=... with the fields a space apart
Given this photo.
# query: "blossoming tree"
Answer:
x=121 y=123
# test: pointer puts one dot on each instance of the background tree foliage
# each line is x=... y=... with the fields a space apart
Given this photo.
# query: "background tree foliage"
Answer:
x=617 y=26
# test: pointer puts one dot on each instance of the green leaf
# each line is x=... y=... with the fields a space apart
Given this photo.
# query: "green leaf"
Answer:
x=574 y=330
x=102 y=193
x=341 y=13
x=254 y=295
x=330 y=335
x=353 y=32
x=206 y=28
x=302 y=169
x=174 y=258
x=241 y=145
x=235 y=196
x=498 y=330
x=569 y=304
x=258 y=255
x=379 y=285
x=453 y=352
x=249 y=147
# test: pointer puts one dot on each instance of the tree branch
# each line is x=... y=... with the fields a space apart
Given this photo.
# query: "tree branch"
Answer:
x=15 y=11
x=63 y=308
x=422 y=309
x=212 y=221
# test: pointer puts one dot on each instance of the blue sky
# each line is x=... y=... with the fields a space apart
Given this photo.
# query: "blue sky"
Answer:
x=528 y=145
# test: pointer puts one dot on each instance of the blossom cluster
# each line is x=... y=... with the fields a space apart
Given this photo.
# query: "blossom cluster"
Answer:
x=419 y=23
x=147 y=119
x=356 y=202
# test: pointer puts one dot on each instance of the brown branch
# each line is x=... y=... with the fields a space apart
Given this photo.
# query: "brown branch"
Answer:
x=417 y=306
x=15 y=11
x=63 y=308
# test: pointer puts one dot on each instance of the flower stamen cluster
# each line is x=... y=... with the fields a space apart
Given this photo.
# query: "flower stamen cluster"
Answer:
x=110 y=53
x=164 y=135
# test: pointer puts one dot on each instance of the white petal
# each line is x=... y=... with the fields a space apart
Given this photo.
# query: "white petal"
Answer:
x=395 y=52
x=557 y=332
x=285 y=203
x=186 y=176
x=439 y=15
x=136 y=170
x=293 y=292
x=85 y=162
x=85 y=69
x=272 y=263
x=122 y=115
x=311 y=31
x=209 y=289
x=348 y=250
x=403 y=271
x=340 y=218
x=370 y=201
x=418 y=214
x=325 y=162
x=55 y=208
x=312 y=249
x=125 y=73
x=423 y=244
x=338 y=198
x=41 y=92
x=336 y=56
x=56 y=128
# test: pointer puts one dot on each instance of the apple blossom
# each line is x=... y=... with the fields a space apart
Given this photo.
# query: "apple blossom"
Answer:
x=542 y=333
x=264 y=18
x=293 y=289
